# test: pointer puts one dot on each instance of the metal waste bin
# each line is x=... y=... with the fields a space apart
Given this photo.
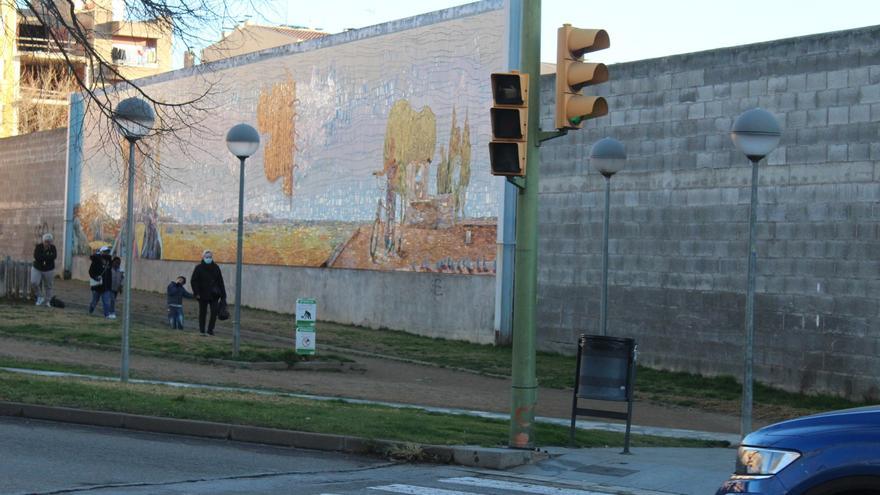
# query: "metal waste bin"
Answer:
x=605 y=371
x=604 y=368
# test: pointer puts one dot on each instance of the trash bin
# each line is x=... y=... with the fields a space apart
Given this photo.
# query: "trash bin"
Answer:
x=604 y=372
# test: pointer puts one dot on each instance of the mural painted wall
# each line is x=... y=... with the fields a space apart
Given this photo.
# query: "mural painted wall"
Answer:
x=373 y=154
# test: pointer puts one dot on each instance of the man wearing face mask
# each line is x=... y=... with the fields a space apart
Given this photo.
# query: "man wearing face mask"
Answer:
x=207 y=285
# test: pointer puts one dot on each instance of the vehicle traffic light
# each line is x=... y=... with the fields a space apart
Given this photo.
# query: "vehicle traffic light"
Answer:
x=510 y=117
x=572 y=75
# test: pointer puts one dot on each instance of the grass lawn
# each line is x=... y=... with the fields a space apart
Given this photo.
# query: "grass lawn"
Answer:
x=720 y=394
x=73 y=328
x=717 y=394
x=374 y=422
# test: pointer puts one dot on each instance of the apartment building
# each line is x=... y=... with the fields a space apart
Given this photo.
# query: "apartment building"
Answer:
x=41 y=64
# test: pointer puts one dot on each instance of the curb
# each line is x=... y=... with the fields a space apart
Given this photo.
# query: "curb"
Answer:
x=252 y=365
x=336 y=366
x=471 y=456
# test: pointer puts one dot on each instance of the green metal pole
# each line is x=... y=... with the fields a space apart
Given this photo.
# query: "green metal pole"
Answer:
x=524 y=394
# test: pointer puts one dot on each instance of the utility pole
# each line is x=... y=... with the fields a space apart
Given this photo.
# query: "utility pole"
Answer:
x=524 y=393
x=506 y=149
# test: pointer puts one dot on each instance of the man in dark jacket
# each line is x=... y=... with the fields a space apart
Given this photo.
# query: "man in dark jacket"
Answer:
x=43 y=270
x=207 y=285
x=101 y=281
x=176 y=292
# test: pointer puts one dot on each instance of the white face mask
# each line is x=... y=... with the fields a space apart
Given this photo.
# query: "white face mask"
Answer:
x=209 y=260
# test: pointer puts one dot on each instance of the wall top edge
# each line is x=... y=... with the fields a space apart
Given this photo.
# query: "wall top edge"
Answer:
x=390 y=27
x=31 y=135
x=819 y=37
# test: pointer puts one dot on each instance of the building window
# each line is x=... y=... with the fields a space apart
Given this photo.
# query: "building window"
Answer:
x=134 y=52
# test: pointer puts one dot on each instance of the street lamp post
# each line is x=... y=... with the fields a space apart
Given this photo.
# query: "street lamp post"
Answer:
x=134 y=119
x=755 y=133
x=608 y=157
x=242 y=141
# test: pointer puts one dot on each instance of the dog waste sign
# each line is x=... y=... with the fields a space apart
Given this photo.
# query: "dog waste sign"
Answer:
x=305 y=341
x=306 y=314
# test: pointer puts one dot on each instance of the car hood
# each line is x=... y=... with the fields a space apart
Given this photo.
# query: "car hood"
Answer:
x=866 y=419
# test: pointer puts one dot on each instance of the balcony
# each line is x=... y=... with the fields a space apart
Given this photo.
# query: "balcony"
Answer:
x=34 y=47
x=44 y=96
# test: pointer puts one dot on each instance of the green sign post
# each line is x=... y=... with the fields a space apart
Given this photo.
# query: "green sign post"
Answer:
x=306 y=315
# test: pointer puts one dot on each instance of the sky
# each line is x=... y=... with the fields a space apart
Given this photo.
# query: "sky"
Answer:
x=639 y=29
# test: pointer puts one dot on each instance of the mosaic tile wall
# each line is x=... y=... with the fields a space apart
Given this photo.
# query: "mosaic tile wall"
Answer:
x=373 y=153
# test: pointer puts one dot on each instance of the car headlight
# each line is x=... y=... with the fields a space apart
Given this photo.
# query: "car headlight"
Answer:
x=761 y=462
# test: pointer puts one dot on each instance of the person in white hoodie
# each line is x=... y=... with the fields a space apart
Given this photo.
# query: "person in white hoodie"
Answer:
x=43 y=270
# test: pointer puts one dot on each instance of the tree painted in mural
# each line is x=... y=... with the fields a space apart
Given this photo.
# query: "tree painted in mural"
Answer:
x=276 y=113
x=457 y=161
x=148 y=189
x=149 y=192
x=96 y=223
x=410 y=141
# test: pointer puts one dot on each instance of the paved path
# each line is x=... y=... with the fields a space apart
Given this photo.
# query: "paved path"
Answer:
x=383 y=381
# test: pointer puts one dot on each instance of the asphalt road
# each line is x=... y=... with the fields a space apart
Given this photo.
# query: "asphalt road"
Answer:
x=56 y=458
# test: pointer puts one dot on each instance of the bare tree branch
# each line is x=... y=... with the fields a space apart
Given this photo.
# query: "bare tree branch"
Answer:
x=103 y=83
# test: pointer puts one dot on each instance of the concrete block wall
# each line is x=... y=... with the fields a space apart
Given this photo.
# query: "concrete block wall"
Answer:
x=679 y=214
x=431 y=304
x=32 y=175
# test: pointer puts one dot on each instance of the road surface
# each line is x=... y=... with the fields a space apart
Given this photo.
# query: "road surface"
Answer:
x=57 y=458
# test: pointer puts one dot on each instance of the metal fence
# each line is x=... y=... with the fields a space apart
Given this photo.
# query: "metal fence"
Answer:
x=15 y=278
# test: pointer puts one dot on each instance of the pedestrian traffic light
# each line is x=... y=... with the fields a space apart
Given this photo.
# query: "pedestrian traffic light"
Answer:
x=510 y=117
x=572 y=75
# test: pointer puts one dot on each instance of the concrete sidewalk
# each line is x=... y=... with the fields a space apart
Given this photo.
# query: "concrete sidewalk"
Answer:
x=646 y=471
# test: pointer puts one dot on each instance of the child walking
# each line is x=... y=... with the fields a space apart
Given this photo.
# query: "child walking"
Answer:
x=117 y=276
x=176 y=293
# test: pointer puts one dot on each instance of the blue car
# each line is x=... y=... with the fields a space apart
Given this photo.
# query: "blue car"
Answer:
x=835 y=453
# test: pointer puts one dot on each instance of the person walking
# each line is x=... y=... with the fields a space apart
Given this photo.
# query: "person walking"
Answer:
x=176 y=292
x=43 y=270
x=117 y=276
x=207 y=285
x=101 y=281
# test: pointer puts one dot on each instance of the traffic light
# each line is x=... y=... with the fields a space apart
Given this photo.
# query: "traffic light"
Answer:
x=510 y=117
x=572 y=75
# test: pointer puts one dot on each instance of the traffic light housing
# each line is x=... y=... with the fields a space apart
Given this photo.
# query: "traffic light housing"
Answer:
x=510 y=118
x=572 y=75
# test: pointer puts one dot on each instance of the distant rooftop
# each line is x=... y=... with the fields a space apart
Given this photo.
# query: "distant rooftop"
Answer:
x=300 y=33
x=249 y=37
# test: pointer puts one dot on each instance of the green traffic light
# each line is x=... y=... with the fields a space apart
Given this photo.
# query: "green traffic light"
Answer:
x=576 y=120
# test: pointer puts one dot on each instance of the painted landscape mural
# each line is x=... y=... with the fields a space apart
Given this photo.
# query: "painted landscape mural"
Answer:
x=373 y=154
